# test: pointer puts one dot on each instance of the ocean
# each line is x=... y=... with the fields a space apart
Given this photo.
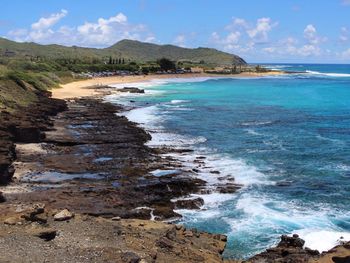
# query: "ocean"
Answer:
x=285 y=138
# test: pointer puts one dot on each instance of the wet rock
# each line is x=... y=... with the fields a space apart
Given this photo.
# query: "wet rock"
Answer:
x=63 y=215
x=131 y=90
x=228 y=188
x=194 y=203
x=283 y=183
x=289 y=249
x=293 y=241
x=2 y=198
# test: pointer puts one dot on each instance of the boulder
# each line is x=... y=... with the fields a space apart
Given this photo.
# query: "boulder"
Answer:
x=131 y=90
x=12 y=221
x=63 y=215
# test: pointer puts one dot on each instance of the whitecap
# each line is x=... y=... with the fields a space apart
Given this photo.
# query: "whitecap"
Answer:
x=322 y=240
x=339 y=75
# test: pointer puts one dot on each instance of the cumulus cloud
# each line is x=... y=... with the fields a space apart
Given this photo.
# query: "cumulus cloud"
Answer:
x=260 y=32
x=47 y=22
x=241 y=36
x=229 y=42
x=344 y=34
x=310 y=34
x=101 y=33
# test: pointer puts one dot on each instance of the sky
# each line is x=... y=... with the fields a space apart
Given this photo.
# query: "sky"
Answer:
x=260 y=31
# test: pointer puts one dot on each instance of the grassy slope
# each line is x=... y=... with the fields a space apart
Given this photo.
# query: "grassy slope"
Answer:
x=149 y=52
x=129 y=49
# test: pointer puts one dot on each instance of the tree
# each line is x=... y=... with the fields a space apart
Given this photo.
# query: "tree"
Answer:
x=145 y=70
x=110 y=60
x=123 y=61
x=166 y=64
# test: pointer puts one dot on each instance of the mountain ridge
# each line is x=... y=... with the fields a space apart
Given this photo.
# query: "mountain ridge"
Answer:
x=130 y=49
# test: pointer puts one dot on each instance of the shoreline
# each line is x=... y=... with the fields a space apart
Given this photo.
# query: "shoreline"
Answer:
x=167 y=244
x=83 y=88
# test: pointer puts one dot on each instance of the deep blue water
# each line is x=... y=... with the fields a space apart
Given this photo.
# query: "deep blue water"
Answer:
x=285 y=138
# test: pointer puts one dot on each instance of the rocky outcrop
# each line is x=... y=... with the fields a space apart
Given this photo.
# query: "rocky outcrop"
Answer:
x=288 y=250
x=96 y=162
x=131 y=90
x=26 y=124
x=95 y=239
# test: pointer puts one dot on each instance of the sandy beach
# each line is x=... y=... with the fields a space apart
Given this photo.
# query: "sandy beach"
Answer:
x=83 y=88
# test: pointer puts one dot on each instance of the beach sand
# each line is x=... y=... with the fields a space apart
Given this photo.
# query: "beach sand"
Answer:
x=85 y=88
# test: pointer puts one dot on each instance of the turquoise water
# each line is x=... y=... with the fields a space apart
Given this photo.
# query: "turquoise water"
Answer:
x=285 y=139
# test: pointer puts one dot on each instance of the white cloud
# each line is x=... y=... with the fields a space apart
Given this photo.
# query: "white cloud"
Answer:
x=309 y=50
x=344 y=34
x=101 y=33
x=269 y=49
x=310 y=34
x=47 y=22
x=240 y=22
x=241 y=36
x=180 y=40
x=260 y=32
x=229 y=42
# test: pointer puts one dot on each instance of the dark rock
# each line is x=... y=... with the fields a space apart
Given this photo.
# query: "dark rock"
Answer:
x=293 y=241
x=46 y=234
x=289 y=250
x=164 y=243
x=194 y=203
x=341 y=259
x=130 y=257
x=36 y=214
x=131 y=90
x=2 y=198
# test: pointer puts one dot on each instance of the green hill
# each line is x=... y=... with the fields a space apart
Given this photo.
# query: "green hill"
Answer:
x=140 y=51
x=128 y=49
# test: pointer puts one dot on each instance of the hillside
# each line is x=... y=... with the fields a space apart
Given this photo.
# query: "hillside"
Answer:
x=140 y=51
x=128 y=49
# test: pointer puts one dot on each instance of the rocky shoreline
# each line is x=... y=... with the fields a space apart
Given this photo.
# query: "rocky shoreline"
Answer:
x=79 y=161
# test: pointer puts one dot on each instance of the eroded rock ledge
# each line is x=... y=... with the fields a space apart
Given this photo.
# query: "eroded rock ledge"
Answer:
x=95 y=164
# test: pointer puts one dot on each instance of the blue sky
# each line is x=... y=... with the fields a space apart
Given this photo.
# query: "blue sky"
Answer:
x=258 y=30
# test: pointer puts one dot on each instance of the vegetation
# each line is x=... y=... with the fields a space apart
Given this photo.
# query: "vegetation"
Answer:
x=26 y=68
x=125 y=50
x=166 y=64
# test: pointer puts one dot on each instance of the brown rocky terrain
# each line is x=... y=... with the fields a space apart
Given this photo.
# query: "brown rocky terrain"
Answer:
x=95 y=164
x=78 y=187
